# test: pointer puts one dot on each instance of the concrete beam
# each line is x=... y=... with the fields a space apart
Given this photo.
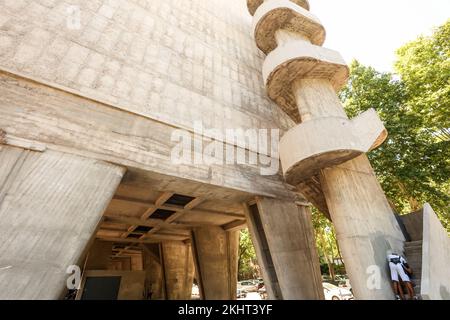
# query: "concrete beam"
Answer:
x=235 y=226
x=153 y=272
x=148 y=222
x=180 y=209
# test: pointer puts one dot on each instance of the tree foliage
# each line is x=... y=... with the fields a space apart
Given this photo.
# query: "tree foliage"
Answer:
x=424 y=67
x=326 y=242
x=413 y=165
x=247 y=263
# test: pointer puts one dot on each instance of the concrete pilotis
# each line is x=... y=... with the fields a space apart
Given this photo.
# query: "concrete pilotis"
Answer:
x=326 y=146
x=366 y=228
x=50 y=205
x=178 y=268
x=284 y=240
x=216 y=257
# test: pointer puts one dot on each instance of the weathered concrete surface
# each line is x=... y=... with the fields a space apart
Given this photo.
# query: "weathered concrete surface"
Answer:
x=290 y=238
x=276 y=15
x=99 y=131
x=300 y=59
x=178 y=266
x=216 y=258
x=131 y=283
x=435 y=258
x=413 y=223
x=365 y=225
x=305 y=151
x=99 y=256
x=253 y=5
x=153 y=272
x=50 y=205
x=150 y=57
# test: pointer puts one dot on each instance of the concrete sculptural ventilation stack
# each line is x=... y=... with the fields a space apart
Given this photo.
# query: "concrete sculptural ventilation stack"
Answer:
x=324 y=154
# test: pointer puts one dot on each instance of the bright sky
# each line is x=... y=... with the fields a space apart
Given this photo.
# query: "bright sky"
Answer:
x=372 y=30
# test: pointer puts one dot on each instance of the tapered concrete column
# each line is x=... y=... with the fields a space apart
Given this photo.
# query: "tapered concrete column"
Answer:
x=178 y=266
x=283 y=236
x=366 y=228
x=50 y=205
x=216 y=257
x=153 y=271
x=323 y=155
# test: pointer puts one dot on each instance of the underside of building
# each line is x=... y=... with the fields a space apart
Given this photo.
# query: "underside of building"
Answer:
x=95 y=96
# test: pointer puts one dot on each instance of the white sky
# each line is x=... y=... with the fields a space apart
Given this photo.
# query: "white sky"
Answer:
x=372 y=30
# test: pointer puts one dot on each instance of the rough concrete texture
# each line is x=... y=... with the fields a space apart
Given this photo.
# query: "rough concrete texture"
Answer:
x=50 y=205
x=216 y=258
x=276 y=15
x=178 y=266
x=413 y=223
x=101 y=132
x=304 y=150
x=136 y=261
x=155 y=58
x=290 y=237
x=254 y=4
x=435 y=258
x=99 y=255
x=365 y=225
x=153 y=275
x=329 y=152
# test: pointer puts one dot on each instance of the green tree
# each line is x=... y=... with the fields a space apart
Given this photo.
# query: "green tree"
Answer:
x=424 y=67
x=326 y=242
x=247 y=262
x=413 y=164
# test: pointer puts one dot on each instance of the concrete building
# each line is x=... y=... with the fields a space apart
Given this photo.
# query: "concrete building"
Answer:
x=137 y=137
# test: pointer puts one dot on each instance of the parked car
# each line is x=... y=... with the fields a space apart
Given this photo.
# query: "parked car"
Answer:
x=241 y=293
x=328 y=279
x=340 y=277
x=248 y=285
x=333 y=292
x=343 y=282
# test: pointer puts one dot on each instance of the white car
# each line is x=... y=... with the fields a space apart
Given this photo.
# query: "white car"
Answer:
x=335 y=293
x=248 y=286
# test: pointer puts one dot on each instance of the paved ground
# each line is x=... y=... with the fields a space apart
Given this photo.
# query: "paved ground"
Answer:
x=252 y=296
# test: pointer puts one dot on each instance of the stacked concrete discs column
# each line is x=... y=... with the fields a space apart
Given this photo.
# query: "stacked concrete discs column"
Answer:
x=302 y=77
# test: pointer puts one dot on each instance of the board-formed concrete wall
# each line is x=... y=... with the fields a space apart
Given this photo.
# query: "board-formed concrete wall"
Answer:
x=45 y=227
x=155 y=58
x=435 y=258
x=144 y=67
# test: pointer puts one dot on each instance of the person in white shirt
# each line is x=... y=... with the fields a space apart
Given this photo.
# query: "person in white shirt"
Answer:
x=398 y=264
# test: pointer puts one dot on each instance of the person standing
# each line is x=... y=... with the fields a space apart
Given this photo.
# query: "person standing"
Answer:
x=396 y=265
